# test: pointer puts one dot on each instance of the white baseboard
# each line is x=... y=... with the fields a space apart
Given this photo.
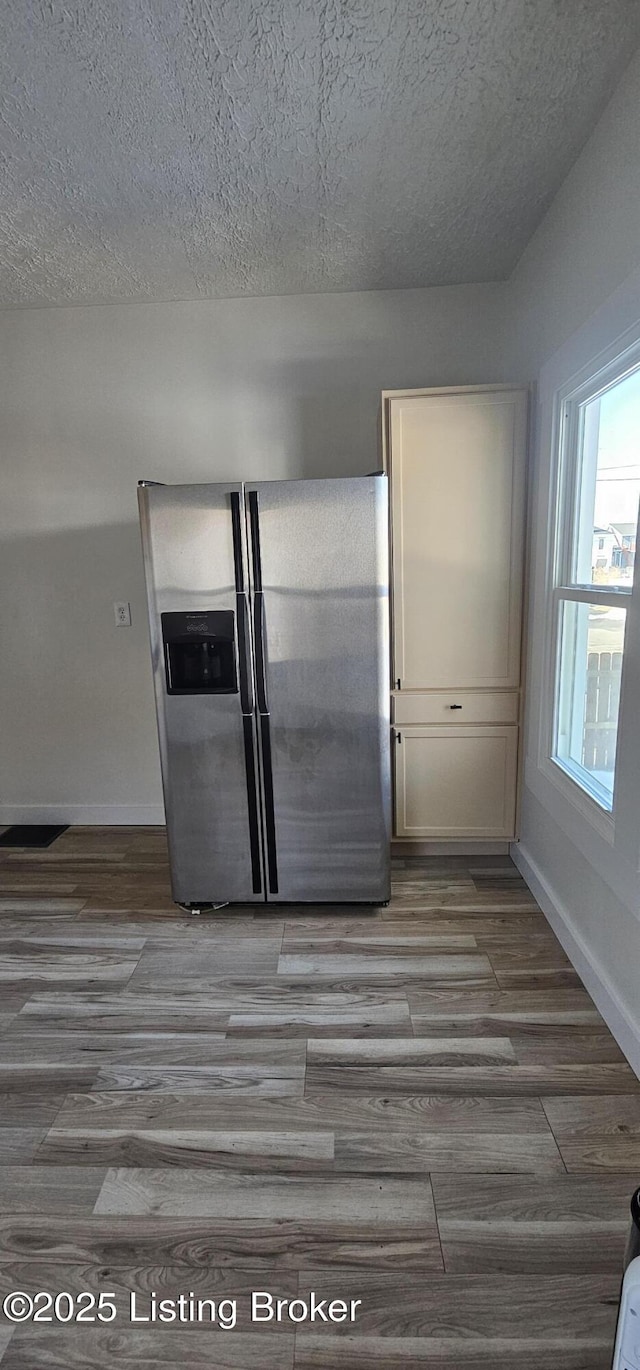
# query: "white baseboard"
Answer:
x=602 y=990
x=86 y=815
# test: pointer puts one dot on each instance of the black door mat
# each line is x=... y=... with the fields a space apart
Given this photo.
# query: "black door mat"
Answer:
x=32 y=834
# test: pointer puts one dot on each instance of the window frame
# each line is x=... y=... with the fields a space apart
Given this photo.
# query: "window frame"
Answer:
x=564 y=586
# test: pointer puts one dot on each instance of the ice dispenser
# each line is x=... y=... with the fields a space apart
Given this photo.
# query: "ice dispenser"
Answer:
x=199 y=652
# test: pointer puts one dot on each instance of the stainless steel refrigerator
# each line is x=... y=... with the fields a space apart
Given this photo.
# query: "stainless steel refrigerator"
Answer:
x=269 y=622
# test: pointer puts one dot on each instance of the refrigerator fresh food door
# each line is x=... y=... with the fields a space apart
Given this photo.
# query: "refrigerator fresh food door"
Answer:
x=319 y=580
x=195 y=568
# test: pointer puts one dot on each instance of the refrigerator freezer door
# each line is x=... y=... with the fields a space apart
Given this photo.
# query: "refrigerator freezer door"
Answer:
x=323 y=695
x=194 y=563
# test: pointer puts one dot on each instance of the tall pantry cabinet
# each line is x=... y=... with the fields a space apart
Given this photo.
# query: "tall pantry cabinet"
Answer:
x=456 y=461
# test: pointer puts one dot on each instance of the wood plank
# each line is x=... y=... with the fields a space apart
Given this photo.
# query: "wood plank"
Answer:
x=102 y=1349
x=385 y=943
x=540 y=1044
x=223 y=1194
x=154 y=1049
x=34 y=939
x=470 y=909
x=460 y=898
x=166 y=1281
x=344 y=1015
x=245 y=989
x=247 y=1151
x=126 y=904
x=32 y=887
x=252 y=1079
x=49 y=1189
x=165 y=964
x=597 y=1134
x=498 y=1011
x=494 y=870
x=508 y=1079
x=322 y=927
x=14 y=998
x=34 y=964
x=120 y=1013
x=176 y=923
x=53 y=856
x=409 y=1051
x=262 y=1245
x=452 y=969
x=471 y=1309
x=413 y=1353
x=159 y=914
x=30 y=1107
x=45 y=1078
x=577 y=1116
x=529 y=967
x=549 y=1225
x=19 y=1144
x=430 y=1152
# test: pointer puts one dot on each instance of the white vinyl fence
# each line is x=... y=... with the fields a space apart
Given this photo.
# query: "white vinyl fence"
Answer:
x=604 y=671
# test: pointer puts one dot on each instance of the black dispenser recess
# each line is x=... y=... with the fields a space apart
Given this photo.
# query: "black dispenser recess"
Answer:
x=199 y=652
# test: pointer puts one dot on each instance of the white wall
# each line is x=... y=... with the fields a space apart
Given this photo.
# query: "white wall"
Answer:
x=588 y=242
x=91 y=400
x=575 y=296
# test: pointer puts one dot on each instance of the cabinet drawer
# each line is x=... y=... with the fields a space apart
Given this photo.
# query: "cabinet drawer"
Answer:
x=476 y=706
x=456 y=782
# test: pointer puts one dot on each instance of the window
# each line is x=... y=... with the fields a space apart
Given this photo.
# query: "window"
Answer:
x=595 y=558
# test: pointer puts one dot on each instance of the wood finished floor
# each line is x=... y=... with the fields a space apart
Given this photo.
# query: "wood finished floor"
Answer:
x=416 y=1106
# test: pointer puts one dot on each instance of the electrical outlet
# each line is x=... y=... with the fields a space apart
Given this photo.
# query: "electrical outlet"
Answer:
x=122 y=611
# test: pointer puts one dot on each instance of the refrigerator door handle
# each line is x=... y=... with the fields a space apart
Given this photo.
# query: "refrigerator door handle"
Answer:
x=246 y=694
x=261 y=673
x=252 y=800
x=244 y=655
x=242 y=608
x=236 y=527
x=269 y=806
x=258 y=605
x=261 y=691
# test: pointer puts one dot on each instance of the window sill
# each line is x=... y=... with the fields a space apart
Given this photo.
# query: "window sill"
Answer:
x=586 y=804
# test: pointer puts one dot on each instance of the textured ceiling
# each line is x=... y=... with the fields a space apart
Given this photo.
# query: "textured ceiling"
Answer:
x=183 y=148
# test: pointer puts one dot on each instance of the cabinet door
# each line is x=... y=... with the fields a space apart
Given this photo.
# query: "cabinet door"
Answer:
x=457 y=473
x=456 y=782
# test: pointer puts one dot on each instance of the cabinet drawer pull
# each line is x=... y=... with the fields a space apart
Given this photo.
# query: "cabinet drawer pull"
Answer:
x=455 y=706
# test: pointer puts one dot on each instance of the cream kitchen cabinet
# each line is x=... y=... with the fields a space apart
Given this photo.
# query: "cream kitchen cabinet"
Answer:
x=456 y=781
x=456 y=461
